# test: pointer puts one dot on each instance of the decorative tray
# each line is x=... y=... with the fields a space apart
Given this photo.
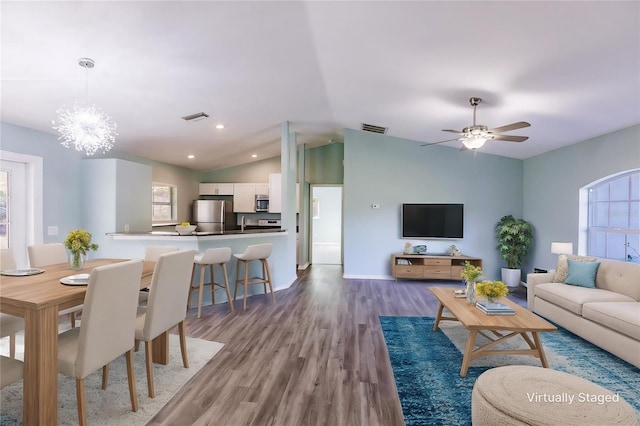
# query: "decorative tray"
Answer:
x=79 y=279
x=22 y=272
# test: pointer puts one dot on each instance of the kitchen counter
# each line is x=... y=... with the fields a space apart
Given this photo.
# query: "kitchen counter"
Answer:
x=173 y=234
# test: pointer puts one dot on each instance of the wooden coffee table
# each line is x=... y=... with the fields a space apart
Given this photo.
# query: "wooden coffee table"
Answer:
x=497 y=328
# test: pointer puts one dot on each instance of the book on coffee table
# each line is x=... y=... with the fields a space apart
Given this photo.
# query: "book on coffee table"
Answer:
x=495 y=308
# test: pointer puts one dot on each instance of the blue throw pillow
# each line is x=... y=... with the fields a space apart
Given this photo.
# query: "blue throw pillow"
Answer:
x=582 y=274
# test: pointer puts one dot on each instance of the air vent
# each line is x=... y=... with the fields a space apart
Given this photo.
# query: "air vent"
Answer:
x=374 y=129
x=195 y=117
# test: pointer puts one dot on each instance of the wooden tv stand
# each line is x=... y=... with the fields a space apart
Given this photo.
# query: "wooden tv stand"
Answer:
x=424 y=267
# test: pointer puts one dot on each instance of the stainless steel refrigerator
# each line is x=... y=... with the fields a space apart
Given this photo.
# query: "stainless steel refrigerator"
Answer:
x=213 y=215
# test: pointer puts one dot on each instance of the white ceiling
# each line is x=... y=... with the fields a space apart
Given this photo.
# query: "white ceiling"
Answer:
x=571 y=69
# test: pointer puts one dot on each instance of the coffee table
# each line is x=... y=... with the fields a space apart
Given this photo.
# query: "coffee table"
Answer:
x=497 y=328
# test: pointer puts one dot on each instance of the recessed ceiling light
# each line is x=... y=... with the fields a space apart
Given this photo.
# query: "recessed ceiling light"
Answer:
x=254 y=155
x=191 y=156
x=219 y=126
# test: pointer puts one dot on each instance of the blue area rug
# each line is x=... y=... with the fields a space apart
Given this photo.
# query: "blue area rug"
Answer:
x=426 y=367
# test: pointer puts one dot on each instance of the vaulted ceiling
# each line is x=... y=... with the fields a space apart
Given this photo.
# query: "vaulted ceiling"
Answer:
x=571 y=69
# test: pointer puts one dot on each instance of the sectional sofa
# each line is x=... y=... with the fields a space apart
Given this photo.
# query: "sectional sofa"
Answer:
x=607 y=315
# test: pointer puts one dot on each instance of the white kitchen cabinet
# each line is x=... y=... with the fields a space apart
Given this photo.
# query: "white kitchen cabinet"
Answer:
x=262 y=189
x=216 y=189
x=275 y=193
x=244 y=197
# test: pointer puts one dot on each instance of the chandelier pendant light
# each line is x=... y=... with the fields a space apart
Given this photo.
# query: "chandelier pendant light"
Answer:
x=85 y=126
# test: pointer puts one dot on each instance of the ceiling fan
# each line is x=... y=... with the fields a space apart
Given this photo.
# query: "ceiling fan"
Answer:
x=475 y=136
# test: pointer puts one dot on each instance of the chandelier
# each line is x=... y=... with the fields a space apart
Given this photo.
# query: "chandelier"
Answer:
x=85 y=126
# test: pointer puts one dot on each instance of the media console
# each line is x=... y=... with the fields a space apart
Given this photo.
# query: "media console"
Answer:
x=422 y=267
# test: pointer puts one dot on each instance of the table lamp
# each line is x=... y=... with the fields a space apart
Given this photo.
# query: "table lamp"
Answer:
x=561 y=248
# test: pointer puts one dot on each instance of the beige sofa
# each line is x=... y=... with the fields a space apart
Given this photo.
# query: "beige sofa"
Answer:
x=607 y=316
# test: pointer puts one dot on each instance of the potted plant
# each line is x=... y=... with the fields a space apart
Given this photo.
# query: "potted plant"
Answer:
x=470 y=273
x=79 y=243
x=514 y=238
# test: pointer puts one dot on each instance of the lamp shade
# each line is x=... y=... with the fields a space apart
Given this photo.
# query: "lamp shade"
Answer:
x=561 y=248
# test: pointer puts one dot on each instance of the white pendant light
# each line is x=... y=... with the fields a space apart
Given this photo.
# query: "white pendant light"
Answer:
x=85 y=126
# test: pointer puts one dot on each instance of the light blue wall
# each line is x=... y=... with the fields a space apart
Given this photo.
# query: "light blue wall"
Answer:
x=61 y=175
x=552 y=181
x=256 y=171
x=391 y=171
x=324 y=229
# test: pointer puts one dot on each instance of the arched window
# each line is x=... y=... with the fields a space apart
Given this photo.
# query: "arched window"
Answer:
x=614 y=218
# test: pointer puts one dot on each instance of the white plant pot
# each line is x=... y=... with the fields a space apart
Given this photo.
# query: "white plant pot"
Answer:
x=511 y=277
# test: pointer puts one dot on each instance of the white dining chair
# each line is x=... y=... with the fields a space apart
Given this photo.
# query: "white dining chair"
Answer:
x=152 y=253
x=11 y=370
x=167 y=305
x=42 y=255
x=107 y=330
x=9 y=324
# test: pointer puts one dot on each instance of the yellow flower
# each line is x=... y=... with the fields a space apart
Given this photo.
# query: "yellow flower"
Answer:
x=492 y=289
x=79 y=241
x=470 y=272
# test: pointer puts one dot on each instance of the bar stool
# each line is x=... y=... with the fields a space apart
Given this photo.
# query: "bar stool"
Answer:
x=253 y=252
x=210 y=258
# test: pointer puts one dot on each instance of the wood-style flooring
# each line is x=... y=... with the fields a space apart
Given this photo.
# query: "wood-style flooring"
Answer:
x=314 y=357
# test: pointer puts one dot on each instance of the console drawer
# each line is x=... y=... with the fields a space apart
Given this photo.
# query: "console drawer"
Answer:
x=437 y=272
x=444 y=262
x=408 y=271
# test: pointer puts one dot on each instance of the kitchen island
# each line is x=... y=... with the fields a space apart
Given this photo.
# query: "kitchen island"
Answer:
x=282 y=261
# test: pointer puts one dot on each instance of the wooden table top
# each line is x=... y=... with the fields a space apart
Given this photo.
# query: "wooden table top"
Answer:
x=473 y=318
x=41 y=290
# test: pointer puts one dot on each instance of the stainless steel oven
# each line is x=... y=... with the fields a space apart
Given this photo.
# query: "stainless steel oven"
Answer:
x=262 y=203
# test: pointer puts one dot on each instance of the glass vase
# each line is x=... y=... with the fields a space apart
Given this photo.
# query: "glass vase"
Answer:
x=76 y=260
x=491 y=301
x=471 y=292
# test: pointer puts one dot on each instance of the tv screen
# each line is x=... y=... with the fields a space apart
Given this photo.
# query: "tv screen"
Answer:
x=432 y=220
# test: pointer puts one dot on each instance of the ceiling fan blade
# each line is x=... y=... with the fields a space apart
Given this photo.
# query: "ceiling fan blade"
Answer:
x=510 y=138
x=510 y=127
x=436 y=143
x=453 y=131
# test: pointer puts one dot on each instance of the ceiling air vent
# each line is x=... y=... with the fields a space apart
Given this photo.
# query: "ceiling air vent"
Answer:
x=374 y=129
x=195 y=117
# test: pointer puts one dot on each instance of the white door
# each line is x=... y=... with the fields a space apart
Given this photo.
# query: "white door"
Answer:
x=326 y=225
x=13 y=209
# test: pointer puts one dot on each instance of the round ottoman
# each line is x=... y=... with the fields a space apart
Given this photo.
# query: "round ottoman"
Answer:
x=524 y=395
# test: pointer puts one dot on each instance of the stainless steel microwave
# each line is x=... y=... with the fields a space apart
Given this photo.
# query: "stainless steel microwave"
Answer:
x=262 y=203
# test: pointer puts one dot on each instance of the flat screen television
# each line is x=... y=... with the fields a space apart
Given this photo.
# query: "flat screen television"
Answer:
x=432 y=220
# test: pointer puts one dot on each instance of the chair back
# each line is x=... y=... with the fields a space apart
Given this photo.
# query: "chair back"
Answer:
x=7 y=260
x=214 y=256
x=257 y=251
x=47 y=254
x=169 y=292
x=153 y=252
x=109 y=315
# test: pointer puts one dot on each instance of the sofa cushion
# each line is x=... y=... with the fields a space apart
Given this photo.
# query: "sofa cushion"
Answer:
x=623 y=317
x=582 y=274
x=572 y=297
x=621 y=277
x=562 y=266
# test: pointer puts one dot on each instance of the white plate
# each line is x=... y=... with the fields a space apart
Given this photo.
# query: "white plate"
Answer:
x=79 y=279
x=22 y=272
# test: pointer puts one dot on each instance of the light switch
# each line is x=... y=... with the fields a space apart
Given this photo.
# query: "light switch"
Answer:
x=52 y=230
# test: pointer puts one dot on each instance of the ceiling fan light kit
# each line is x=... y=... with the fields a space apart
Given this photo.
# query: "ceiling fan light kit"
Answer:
x=475 y=136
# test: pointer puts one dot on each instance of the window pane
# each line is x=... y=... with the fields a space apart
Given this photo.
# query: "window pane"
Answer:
x=634 y=215
x=615 y=246
x=619 y=215
x=600 y=193
x=597 y=243
x=635 y=186
x=633 y=248
x=620 y=189
x=4 y=220
x=161 y=212
x=161 y=194
x=600 y=214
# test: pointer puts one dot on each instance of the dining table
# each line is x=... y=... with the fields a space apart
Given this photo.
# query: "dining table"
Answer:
x=38 y=299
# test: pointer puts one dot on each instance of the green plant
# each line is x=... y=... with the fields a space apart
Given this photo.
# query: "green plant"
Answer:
x=79 y=243
x=514 y=238
x=470 y=272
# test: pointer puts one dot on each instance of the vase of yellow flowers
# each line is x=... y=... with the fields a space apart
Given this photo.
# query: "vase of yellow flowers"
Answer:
x=492 y=290
x=470 y=273
x=79 y=243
